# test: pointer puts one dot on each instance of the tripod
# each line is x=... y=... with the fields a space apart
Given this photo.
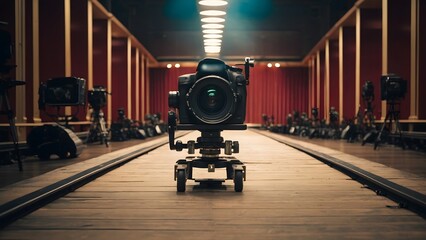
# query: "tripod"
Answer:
x=4 y=100
x=98 y=130
x=210 y=144
x=391 y=115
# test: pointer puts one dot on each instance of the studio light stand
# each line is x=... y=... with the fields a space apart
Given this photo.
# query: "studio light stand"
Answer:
x=7 y=110
x=391 y=115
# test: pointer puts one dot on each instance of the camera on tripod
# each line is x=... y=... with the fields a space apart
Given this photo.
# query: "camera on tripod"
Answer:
x=63 y=91
x=211 y=100
x=97 y=97
x=216 y=94
x=393 y=87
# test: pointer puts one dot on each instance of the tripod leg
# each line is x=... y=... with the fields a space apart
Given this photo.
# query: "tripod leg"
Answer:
x=378 y=138
x=12 y=127
x=399 y=132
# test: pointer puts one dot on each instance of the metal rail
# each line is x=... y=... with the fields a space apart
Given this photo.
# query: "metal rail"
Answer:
x=19 y=207
x=405 y=197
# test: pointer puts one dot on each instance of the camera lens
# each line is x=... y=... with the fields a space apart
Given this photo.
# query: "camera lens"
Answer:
x=212 y=99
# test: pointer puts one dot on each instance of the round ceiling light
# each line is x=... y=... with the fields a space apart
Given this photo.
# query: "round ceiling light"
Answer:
x=212 y=20
x=213 y=13
x=214 y=31
x=212 y=25
x=211 y=44
x=212 y=36
x=213 y=40
x=213 y=3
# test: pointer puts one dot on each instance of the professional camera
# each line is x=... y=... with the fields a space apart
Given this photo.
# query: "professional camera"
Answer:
x=97 y=97
x=215 y=94
x=63 y=91
x=393 y=87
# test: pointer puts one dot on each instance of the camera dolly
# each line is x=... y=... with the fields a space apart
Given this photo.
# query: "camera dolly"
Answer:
x=210 y=144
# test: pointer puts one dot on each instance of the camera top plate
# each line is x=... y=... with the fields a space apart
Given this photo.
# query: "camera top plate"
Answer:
x=220 y=127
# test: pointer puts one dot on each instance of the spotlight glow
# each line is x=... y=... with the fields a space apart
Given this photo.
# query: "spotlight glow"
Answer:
x=277 y=65
x=214 y=31
x=212 y=20
x=212 y=25
x=177 y=65
x=169 y=65
x=212 y=36
x=212 y=40
x=211 y=44
x=213 y=3
x=212 y=49
x=212 y=13
x=269 y=65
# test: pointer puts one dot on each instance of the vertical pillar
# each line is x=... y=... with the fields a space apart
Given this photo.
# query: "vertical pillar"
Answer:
x=137 y=85
x=414 y=58
x=384 y=48
x=341 y=82
x=147 y=90
x=129 y=78
x=318 y=81
x=20 y=58
x=109 y=70
x=89 y=49
x=357 y=60
x=327 y=81
x=36 y=60
x=143 y=84
x=67 y=16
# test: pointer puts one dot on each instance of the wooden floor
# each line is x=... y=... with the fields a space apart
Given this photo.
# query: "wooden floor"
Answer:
x=288 y=194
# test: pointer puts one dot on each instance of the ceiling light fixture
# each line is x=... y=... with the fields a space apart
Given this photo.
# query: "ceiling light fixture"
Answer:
x=269 y=65
x=211 y=44
x=212 y=20
x=214 y=31
x=212 y=25
x=169 y=65
x=212 y=36
x=213 y=3
x=277 y=65
x=177 y=65
x=213 y=40
x=212 y=13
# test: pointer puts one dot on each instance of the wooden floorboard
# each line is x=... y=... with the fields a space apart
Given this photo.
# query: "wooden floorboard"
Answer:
x=288 y=194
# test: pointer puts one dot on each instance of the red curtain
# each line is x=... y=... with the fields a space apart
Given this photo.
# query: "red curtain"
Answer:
x=277 y=92
x=163 y=80
x=272 y=91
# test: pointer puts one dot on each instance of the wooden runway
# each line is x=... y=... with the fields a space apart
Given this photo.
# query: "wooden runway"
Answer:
x=288 y=194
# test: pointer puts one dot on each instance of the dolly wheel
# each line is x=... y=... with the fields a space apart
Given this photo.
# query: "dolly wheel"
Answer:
x=238 y=181
x=181 y=180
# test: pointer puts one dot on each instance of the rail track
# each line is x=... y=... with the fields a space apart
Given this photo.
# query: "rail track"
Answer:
x=17 y=208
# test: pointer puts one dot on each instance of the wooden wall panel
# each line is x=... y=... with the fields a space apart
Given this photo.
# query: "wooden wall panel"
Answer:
x=322 y=109
x=29 y=81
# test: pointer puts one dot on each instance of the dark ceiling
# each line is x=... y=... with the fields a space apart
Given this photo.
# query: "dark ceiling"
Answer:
x=268 y=30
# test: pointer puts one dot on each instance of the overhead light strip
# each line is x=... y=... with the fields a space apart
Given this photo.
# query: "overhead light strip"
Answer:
x=212 y=22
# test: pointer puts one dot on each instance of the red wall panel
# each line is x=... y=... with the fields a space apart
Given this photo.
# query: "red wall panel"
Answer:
x=100 y=56
x=334 y=74
x=79 y=47
x=119 y=76
x=348 y=72
x=371 y=54
x=399 y=46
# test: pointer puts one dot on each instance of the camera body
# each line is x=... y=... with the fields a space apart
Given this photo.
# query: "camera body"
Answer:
x=97 y=97
x=215 y=94
x=368 y=91
x=393 y=87
x=63 y=91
